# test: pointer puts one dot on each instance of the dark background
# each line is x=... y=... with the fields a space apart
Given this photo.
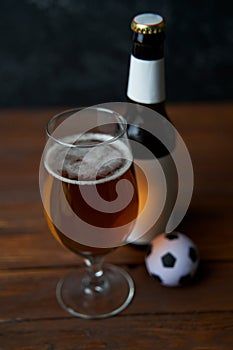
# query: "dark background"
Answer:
x=76 y=52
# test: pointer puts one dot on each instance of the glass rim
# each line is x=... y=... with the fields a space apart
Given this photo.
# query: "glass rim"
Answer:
x=123 y=123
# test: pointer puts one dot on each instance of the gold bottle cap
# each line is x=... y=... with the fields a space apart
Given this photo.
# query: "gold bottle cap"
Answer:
x=148 y=23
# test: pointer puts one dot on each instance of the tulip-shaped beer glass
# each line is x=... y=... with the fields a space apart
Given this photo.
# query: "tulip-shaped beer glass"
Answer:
x=89 y=193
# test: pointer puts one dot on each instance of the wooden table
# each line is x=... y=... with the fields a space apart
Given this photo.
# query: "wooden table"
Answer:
x=199 y=316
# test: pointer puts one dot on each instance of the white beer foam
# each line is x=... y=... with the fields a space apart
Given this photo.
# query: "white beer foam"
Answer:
x=104 y=160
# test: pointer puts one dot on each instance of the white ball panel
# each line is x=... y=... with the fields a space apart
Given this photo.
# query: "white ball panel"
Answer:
x=179 y=248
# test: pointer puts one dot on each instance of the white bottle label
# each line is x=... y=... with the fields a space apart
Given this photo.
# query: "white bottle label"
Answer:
x=146 y=81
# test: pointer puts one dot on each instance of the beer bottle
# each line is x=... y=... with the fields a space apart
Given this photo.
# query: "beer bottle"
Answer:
x=146 y=87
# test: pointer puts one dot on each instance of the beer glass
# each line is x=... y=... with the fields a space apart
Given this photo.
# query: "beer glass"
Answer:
x=89 y=193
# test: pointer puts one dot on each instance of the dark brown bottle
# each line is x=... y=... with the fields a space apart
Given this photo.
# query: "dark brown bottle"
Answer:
x=146 y=88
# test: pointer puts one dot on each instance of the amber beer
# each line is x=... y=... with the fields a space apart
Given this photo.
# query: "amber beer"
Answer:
x=65 y=179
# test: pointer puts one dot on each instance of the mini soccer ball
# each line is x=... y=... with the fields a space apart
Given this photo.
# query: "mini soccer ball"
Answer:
x=173 y=259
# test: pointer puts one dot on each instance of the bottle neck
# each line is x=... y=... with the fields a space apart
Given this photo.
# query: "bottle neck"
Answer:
x=146 y=83
x=148 y=46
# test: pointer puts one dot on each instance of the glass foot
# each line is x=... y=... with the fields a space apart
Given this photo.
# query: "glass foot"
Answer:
x=79 y=298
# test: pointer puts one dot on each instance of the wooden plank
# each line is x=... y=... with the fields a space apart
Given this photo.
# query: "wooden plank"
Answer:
x=207 y=131
x=30 y=293
x=196 y=331
x=208 y=140
x=25 y=240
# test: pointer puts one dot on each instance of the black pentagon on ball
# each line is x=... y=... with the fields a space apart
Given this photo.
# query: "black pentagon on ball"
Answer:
x=185 y=279
x=193 y=254
x=157 y=277
x=168 y=260
x=171 y=236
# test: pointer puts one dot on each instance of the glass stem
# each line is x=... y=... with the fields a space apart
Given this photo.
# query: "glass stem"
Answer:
x=95 y=281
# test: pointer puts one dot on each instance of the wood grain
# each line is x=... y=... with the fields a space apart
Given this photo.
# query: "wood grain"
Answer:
x=195 y=331
x=198 y=316
x=34 y=289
